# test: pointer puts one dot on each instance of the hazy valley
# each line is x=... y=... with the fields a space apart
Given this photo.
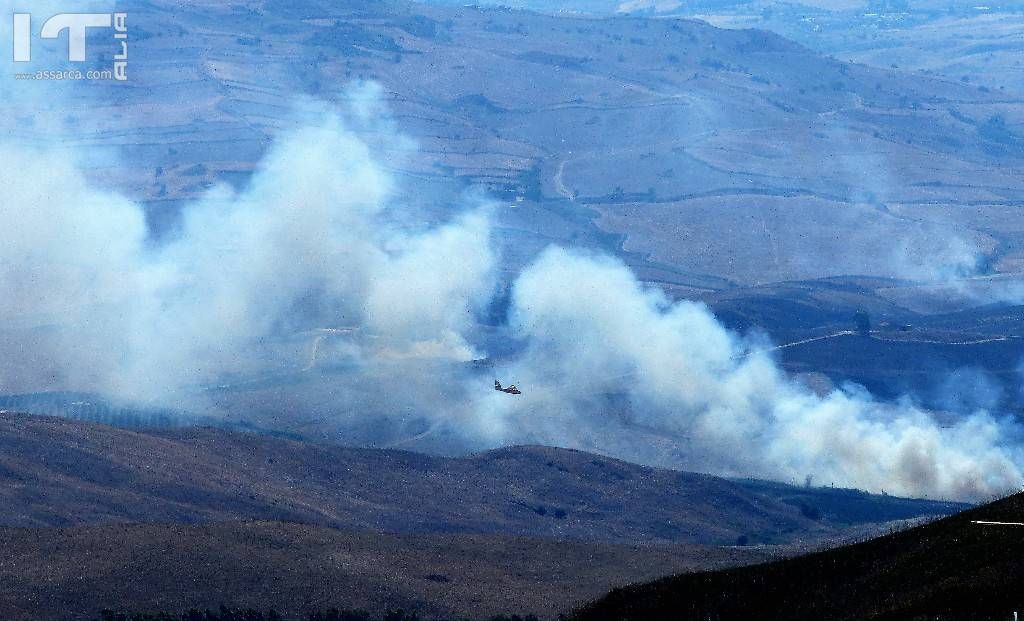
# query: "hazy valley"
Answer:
x=754 y=269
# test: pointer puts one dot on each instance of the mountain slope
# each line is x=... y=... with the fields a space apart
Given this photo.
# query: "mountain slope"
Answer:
x=950 y=569
x=624 y=134
x=73 y=573
x=60 y=472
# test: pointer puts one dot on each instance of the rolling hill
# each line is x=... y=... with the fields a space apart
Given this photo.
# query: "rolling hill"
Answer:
x=978 y=42
x=624 y=134
x=950 y=569
x=57 y=472
x=70 y=574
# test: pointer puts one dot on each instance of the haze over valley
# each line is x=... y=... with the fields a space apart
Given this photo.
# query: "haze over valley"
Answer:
x=755 y=270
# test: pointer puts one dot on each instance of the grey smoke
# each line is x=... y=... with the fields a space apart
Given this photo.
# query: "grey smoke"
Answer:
x=967 y=390
x=933 y=250
x=313 y=242
x=318 y=250
x=593 y=330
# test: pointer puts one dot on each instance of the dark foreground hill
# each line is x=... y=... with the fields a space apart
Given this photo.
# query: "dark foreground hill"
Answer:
x=58 y=472
x=73 y=573
x=950 y=569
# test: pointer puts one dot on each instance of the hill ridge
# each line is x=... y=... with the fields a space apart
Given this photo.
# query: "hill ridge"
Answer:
x=950 y=569
x=61 y=472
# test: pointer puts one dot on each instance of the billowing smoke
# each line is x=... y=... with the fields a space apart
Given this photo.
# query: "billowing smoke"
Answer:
x=318 y=240
x=593 y=331
x=317 y=263
x=311 y=243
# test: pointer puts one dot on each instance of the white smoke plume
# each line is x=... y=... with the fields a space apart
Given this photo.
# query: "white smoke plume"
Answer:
x=317 y=240
x=320 y=242
x=593 y=330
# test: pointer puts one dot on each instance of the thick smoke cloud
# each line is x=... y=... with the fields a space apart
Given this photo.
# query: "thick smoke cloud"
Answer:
x=317 y=240
x=308 y=245
x=593 y=331
x=318 y=250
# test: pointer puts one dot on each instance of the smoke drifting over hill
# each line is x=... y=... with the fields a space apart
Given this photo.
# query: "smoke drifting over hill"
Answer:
x=320 y=239
x=593 y=329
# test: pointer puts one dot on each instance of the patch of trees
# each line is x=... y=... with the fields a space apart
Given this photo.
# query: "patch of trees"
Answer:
x=353 y=40
x=91 y=408
x=225 y=613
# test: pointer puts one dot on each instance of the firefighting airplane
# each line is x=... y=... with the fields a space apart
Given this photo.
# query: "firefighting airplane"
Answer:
x=512 y=390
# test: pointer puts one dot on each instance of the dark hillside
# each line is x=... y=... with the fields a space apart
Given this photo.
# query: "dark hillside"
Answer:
x=950 y=569
x=57 y=472
x=72 y=573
